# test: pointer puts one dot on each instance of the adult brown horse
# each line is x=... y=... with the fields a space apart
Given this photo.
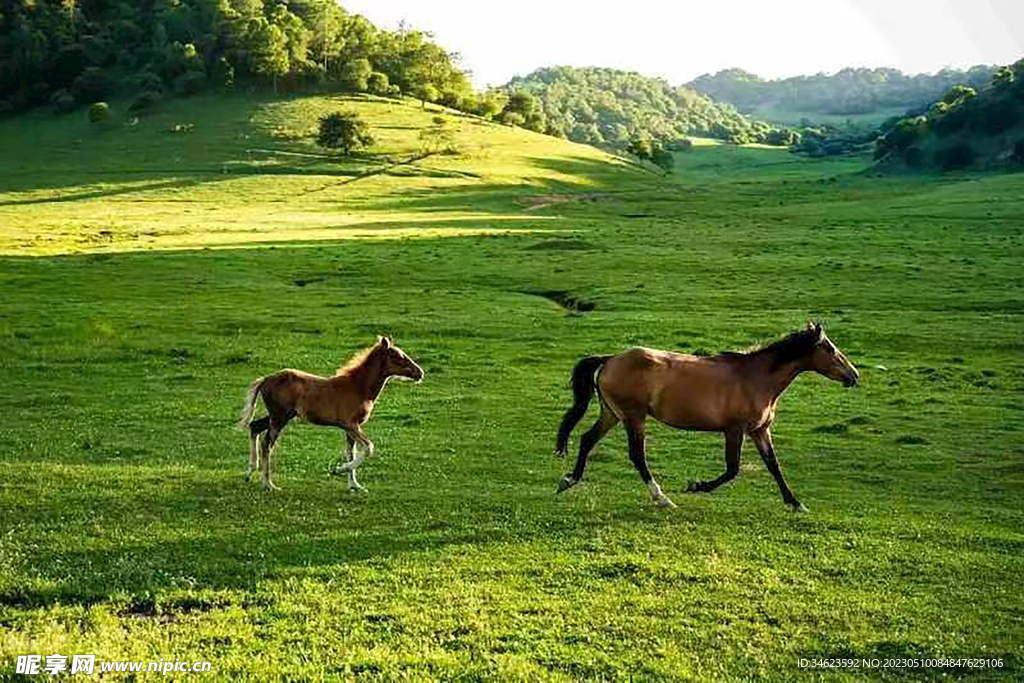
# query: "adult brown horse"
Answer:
x=733 y=393
x=344 y=400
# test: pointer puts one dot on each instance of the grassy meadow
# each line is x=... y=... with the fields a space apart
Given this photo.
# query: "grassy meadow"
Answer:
x=146 y=276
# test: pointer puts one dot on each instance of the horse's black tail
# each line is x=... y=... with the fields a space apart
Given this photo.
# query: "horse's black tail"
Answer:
x=582 y=383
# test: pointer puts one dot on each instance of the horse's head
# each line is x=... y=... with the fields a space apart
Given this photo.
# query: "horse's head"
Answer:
x=826 y=359
x=397 y=363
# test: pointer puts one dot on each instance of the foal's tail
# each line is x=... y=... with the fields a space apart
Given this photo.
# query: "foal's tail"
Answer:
x=250 y=403
x=583 y=385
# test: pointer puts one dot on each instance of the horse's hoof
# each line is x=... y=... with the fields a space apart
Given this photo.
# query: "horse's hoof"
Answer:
x=693 y=487
x=664 y=502
x=357 y=489
x=799 y=507
x=565 y=483
x=267 y=486
x=248 y=477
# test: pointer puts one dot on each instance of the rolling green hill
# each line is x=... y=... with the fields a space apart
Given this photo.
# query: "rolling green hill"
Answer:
x=241 y=157
x=858 y=94
x=965 y=129
x=601 y=106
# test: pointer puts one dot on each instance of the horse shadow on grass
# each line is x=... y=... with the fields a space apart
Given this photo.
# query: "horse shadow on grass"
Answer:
x=213 y=533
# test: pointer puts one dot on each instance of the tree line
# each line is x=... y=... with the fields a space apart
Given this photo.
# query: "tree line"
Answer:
x=964 y=128
x=608 y=107
x=847 y=92
x=71 y=52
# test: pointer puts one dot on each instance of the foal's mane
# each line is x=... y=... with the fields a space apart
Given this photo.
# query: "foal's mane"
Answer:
x=793 y=346
x=358 y=360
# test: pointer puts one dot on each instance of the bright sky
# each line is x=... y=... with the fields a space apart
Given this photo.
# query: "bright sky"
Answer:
x=681 y=39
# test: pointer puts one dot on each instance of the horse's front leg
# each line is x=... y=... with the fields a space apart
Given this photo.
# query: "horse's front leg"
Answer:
x=763 y=439
x=353 y=483
x=362 y=448
x=733 y=451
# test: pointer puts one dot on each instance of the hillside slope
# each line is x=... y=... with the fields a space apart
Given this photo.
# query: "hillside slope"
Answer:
x=245 y=169
x=966 y=128
x=850 y=93
x=601 y=106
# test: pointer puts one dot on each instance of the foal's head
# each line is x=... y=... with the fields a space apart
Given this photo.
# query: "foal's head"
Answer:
x=825 y=358
x=397 y=363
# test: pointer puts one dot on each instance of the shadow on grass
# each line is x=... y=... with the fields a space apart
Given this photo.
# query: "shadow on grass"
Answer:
x=208 y=530
x=180 y=179
x=113 y=192
x=593 y=180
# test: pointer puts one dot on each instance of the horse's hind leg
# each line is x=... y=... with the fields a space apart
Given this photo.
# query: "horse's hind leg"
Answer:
x=733 y=449
x=636 y=432
x=255 y=428
x=604 y=424
x=269 y=440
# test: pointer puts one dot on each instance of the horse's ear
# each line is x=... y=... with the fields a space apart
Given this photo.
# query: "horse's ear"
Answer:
x=385 y=342
x=819 y=331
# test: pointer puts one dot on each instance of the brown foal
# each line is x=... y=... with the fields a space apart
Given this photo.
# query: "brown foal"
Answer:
x=732 y=393
x=344 y=400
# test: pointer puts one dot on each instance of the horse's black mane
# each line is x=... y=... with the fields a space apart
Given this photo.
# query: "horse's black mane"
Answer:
x=793 y=346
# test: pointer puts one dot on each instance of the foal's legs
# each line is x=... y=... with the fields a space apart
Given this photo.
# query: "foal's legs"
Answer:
x=255 y=428
x=604 y=424
x=763 y=439
x=353 y=483
x=635 y=432
x=360 y=453
x=733 y=449
x=269 y=439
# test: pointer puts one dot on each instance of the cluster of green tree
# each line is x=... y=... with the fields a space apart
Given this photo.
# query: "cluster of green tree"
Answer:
x=826 y=139
x=964 y=128
x=657 y=153
x=607 y=107
x=846 y=93
x=69 y=52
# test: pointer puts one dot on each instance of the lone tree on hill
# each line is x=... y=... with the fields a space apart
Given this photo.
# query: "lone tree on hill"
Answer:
x=344 y=131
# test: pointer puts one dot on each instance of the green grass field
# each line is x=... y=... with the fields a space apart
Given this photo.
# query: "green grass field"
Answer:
x=148 y=276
